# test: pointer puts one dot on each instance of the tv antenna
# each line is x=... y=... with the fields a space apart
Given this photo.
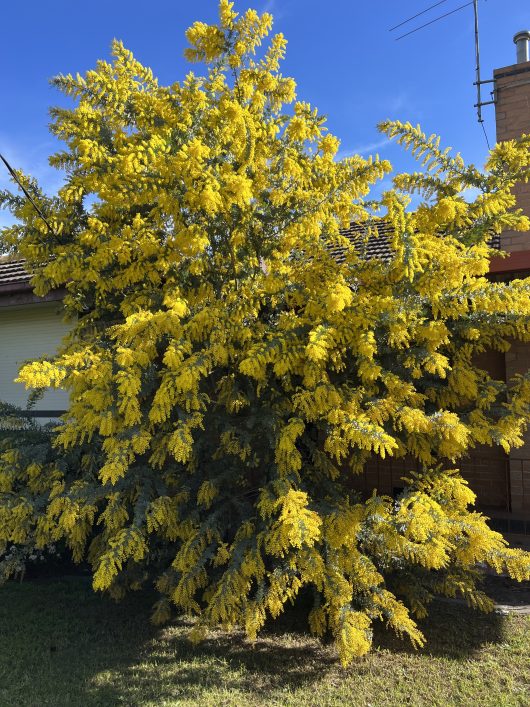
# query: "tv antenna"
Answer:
x=479 y=82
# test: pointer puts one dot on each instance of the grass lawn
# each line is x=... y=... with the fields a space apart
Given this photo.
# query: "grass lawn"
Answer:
x=62 y=645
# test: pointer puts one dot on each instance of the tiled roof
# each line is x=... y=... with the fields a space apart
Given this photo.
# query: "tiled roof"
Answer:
x=13 y=274
x=368 y=247
x=377 y=246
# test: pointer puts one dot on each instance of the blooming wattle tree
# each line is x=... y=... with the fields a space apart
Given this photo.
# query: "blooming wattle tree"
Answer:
x=229 y=376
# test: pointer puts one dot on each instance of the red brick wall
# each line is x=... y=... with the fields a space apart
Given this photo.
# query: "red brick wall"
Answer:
x=486 y=470
x=518 y=361
x=512 y=113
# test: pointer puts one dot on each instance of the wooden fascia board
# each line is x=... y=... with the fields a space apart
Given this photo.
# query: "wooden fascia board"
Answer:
x=517 y=260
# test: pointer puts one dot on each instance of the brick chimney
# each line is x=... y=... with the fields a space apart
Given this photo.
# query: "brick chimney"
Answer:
x=512 y=115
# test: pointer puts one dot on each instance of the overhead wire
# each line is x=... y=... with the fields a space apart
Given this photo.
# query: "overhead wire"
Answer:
x=436 y=19
x=431 y=7
x=26 y=193
x=485 y=134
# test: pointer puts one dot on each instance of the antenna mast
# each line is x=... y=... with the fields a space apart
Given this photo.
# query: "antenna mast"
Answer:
x=478 y=82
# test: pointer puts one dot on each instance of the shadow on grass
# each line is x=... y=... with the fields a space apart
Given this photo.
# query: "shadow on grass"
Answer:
x=63 y=645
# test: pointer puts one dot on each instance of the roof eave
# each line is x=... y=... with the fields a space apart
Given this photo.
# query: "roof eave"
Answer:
x=12 y=287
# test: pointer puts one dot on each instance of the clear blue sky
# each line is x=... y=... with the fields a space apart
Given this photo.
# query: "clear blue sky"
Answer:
x=340 y=52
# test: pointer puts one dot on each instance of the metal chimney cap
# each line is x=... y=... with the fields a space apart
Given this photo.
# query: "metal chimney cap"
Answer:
x=523 y=34
x=522 y=42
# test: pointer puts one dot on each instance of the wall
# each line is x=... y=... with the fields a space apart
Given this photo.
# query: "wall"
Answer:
x=27 y=332
x=512 y=113
x=518 y=361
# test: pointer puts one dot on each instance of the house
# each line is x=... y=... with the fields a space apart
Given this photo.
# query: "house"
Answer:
x=31 y=327
x=501 y=481
x=511 y=91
